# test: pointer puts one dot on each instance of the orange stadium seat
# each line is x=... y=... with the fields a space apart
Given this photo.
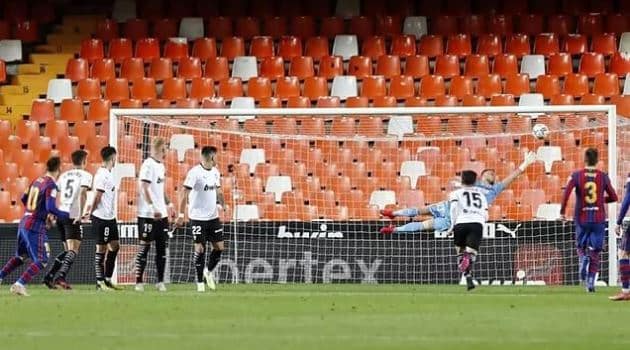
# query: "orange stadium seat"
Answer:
x=66 y=146
x=27 y=31
x=247 y=27
x=575 y=44
x=373 y=47
x=42 y=148
x=42 y=110
x=592 y=63
x=271 y=67
x=204 y=48
x=261 y=47
x=502 y=100
x=475 y=25
x=489 y=85
x=517 y=84
x=88 y=89
x=431 y=46
x=606 y=44
x=331 y=27
x=548 y=85
x=172 y=89
x=445 y=25
x=561 y=24
x=417 y=66
x=77 y=69
x=402 y=87
x=560 y=64
x=106 y=29
x=620 y=64
x=531 y=24
x=25 y=130
x=459 y=45
x=84 y=130
x=473 y=100
x=132 y=68
x=116 y=89
x=316 y=47
x=590 y=24
x=302 y=67
x=287 y=87
x=232 y=47
x=147 y=49
x=315 y=87
x=303 y=26
x=576 y=85
x=361 y=26
x=489 y=45
x=71 y=110
x=163 y=30
x=259 y=87
x=136 y=29
x=403 y=45
x=374 y=86
x=546 y=44
x=461 y=86
x=388 y=66
x=360 y=66
x=143 y=89
x=517 y=44
x=201 y=88
x=592 y=99
x=274 y=27
x=298 y=102
x=432 y=86
x=217 y=68
x=477 y=66
x=220 y=27
x=616 y=23
x=103 y=69
x=92 y=49
x=505 y=65
x=161 y=68
x=447 y=66
x=289 y=47
x=330 y=67
x=56 y=130
x=230 y=88
x=606 y=84
x=98 y=110
x=489 y=125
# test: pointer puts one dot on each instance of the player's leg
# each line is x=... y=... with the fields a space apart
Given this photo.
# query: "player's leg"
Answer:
x=160 y=232
x=593 y=251
x=50 y=276
x=36 y=246
x=218 y=246
x=112 y=252
x=198 y=229
x=145 y=230
x=74 y=235
x=581 y=240
x=624 y=267
x=17 y=260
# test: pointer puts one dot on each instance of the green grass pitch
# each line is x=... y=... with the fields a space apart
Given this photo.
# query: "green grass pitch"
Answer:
x=328 y=317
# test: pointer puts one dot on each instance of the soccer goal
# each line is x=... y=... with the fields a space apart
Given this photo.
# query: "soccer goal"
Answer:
x=304 y=187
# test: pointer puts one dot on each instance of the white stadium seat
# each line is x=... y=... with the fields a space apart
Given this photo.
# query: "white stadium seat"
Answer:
x=416 y=26
x=624 y=43
x=345 y=46
x=549 y=212
x=181 y=143
x=344 y=86
x=11 y=50
x=59 y=90
x=243 y=103
x=414 y=169
x=122 y=170
x=549 y=154
x=400 y=125
x=191 y=28
x=278 y=185
x=382 y=198
x=247 y=212
x=252 y=156
x=626 y=85
x=245 y=67
x=531 y=100
x=534 y=65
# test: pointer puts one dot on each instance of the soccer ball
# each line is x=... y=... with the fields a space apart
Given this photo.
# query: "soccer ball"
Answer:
x=540 y=131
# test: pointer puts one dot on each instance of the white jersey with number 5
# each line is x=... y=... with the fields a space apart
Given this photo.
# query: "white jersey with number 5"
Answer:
x=104 y=183
x=202 y=200
x=70 y=184
x=153 y=173
x=468 y=205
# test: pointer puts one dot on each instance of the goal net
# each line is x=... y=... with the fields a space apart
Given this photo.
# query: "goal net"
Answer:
x=304 y=187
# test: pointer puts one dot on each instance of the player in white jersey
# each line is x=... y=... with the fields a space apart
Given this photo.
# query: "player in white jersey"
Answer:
x=469 y=213
x=154 y=208
x=202 y=193
x=73 y=186
x=104 y=225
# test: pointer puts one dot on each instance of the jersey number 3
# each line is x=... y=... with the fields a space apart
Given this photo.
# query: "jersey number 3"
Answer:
x=590 y=192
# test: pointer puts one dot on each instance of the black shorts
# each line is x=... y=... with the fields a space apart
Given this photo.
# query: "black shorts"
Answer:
x=104 y=230
x=203 y=231
x=150 y=230
x=468 y=235
x=69 y=230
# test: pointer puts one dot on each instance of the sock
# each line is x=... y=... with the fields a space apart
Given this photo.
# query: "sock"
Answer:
x=410 y=227
x=68 y=260
x=110 y=263
x=141 y=261
x=160 y=259
x=473 y=258
x=593 y=266
x=409 y=212
x=56 y=265
x=11 y=265
x=31 y=272
x=199 y=259
x=624 y=272
x=215 y=257
x=98 y=266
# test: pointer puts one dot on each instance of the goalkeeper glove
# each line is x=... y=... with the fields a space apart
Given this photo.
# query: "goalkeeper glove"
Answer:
x=530 y=157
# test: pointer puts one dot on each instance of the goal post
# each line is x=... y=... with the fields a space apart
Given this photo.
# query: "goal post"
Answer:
x=260 y=250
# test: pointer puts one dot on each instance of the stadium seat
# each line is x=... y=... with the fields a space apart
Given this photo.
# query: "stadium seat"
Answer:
x=403 y=45
x=204 y=48
x=444 y=25
x=147 y=49
x=505 y=65
x=344 y=87
x=414 y=170
x=576 y=85
x=373 y=47
x=575 y=44
x=489 y=85
x=606 y=44
x=175 y=48
x=92 y=49
x=357 y=102
x=243 y=103
x=431 y=46
x=172 y=89
x=533 y=65
x=400 y=126
x=106 y=29
x=278 y=185
x=66 y=146
x=246 y=212
x=143 y=89
x=83 y=130
x=315 y=87
x=252 y=157
x=330 y=66
x=59 y=89
x=161 y=68
x=360 y=67
x=343 y=126
x=590 y=24
x=233 y=47
x=42 y=110
x=261 y=47
x=382 y=198
x=274 y=27
x=531 y=100
x=119 y=49
x=548 y=212
x=530 y=23
x=166 y=28
x=546 y=44
x=191 y=28
x=473 y=100
x=431 y=86
x=230 y=88
x=502 y=100
x=620 y=64
x=244 y=67
x=447 y=66
x=561 y=24
x=103 y=69
x=77 y=69
x=616 y=23
x=388 y=66
x=500 y=24
x=259 y=87
x=98 y=110
x=302 y=26
x=517 y=44
x=302 y=67
x=489 y=125
x=489 y=45
x=287 y=87
x=606 y=84
x=289 y=47
x=591 y=64
x=461 y=86
x=361 y=26
x=459 y=45
x=560 y=64
x=446 y=101
x=416 y=26
x=180 y=143
x=132 y=68
x=549 y=154
x=370 y=126
x=374 y=86
x=10 y=50
x=402 y=87
x=271 y=67
x=136 y=29
x=475 y=25
x=316 y=47
x=476 y=66
x=517 y=84
x=27 y=31
x=417 y=66
x=94 y=145
x=532 y=198
x=548 y=85
x=71 y=110
x=388 y=25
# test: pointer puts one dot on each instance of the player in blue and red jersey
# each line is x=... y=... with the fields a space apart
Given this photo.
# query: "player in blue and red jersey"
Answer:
x=40 y=202
x=592 y=191
x=624 y=248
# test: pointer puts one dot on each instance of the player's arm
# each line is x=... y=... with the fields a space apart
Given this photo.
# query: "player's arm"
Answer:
x=567 y=193
x=183 y=202
x=625 y=205
x=530 y=158
x=611 y=195
x=51 y=204
x=453 y=202
x=24 y=198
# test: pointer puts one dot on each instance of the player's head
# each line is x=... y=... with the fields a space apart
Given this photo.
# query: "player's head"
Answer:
x=488 y=176
x=79 y=159
x=591 y=157
x=208 y=154
x=108 y=153
x=469 y=178
x=53 y=167
x=158 y=149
